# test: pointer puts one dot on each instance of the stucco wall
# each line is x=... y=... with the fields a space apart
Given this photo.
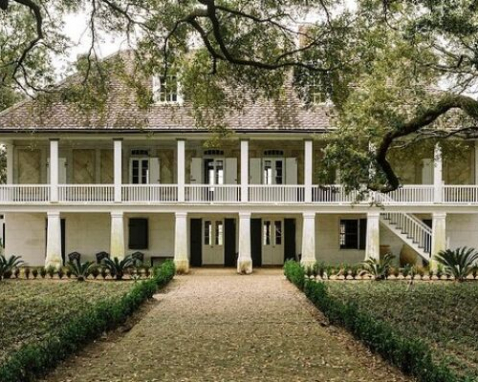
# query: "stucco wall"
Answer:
x=462 y=230
x=25 y=236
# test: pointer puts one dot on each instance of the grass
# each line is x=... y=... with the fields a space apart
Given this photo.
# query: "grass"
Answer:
x=443 y=315
x=32 y=310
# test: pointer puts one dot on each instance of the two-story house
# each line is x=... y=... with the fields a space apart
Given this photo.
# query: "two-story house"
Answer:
x=146 y=180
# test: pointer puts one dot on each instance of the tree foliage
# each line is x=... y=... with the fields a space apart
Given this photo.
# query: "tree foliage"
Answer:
x=396 y=71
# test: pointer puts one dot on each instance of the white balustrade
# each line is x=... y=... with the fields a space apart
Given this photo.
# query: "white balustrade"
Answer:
x=276 y=193
x=159 y=193
x=213 y=193
x=86 y=193
x=410 y=194
x=460 y=194
x=37 y=193
x=334 y=194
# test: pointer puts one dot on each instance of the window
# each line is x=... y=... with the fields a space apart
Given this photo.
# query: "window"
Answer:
x=278 y=231
x=140 y=170
x=267 y=233
x=219 y=233
x=353 y=233
x=207 y=233
x=166 y=89
x=317 y=94
x=273 y=171
x=138 y=233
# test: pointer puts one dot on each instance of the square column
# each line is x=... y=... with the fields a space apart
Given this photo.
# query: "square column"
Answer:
x=181 y=161
x=308 y=240
x=53 y=241
x=117 y=235
x=372 y=249
x=118 y=168
x=244 y=261
x=438 y=236
x=181 y=258
x=438 y=174
x=244 y=170
x=308 y=170
x=54 y=170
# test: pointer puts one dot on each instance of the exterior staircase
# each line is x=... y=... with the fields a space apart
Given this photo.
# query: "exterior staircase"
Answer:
x=410 y=230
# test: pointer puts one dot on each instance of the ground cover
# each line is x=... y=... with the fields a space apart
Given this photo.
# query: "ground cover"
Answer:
x=442 y=314
x=32 y=310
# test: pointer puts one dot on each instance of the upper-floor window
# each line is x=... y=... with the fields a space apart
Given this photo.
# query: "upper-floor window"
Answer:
x=317 y=95
x=166 y=89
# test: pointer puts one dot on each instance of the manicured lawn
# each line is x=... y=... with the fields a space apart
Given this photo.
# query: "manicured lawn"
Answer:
x=444 y=315
x=29 y=310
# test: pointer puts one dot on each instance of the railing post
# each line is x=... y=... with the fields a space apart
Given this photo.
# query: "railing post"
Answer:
x=118 y=168
x=181 y=169
x=244 y=170
x=54 y=170
x=308 y=170
x=438 y=174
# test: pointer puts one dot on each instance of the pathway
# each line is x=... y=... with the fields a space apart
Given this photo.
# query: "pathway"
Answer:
x=214 y=325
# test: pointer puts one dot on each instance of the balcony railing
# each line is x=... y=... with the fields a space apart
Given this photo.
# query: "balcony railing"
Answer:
x=213 y=193
x=267 y=194
x=86 y=193
x=158 y=193
x=276 y=193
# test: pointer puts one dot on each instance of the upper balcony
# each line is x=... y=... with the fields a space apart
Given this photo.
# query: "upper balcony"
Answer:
x=184 y=172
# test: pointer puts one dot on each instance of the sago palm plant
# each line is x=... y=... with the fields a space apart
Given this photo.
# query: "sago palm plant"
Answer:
x=459 y=262
x=7 y=265
x=80 y=270
x=379 y=268
x=118 y=267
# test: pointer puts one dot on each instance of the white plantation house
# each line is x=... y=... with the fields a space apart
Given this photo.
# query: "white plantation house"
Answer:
x=134 y=180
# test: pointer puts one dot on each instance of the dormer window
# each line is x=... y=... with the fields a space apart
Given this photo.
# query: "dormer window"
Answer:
x=317 y=94
x=166 y=89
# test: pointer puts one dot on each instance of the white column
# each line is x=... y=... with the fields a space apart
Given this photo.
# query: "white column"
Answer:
x=53 y=241
x=438 y=236
x=181 y=258
x=438 y=174
x=54 y=170
x=181 y=160
x=372 y=248
x=244 y=261
x=118 y=168
x=308 y=239
x=9 y=155
x=117 y=235
x=308 y=170
x=244 y=171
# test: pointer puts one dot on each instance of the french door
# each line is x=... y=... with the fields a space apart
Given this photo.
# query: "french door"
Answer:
x=213 y=242
x=214 y=171
x=139 y=171
x=273 y=171
x=272 y=241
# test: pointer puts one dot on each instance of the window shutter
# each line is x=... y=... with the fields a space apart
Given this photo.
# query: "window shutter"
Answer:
x=154 y=175
x=156 y=88
x=231 y=171
x=196 y=171
x=427 y=171
x=291 y=171
x=138 y=233
x=255 y=168
x=363 y=233
x=61 y=170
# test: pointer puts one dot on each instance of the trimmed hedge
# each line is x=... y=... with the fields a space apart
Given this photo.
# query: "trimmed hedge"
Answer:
x=35 y=360
x=413 y=357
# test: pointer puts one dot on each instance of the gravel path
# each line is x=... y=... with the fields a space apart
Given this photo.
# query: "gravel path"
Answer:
x=214 y=325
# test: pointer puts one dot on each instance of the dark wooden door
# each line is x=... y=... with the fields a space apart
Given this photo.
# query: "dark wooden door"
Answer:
x=289 y=239
x=230 y=243
x=195 y=243
x=256 y=242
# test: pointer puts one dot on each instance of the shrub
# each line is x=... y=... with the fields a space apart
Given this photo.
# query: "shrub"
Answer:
x=35 y=360
x=10 y=264
x=26 y=272
x=43 y=272
x=295 y=273
x=79 y=270
x=379 y=268
x=35 y=273
x=459 y=262
x=118 y=267
x=51 y=271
